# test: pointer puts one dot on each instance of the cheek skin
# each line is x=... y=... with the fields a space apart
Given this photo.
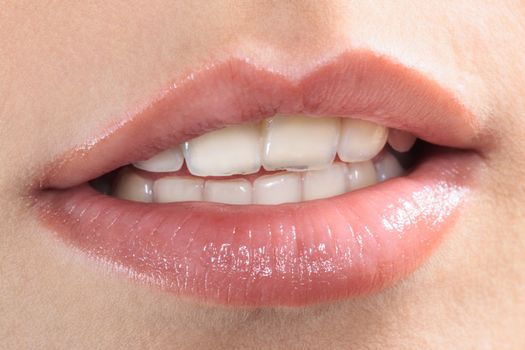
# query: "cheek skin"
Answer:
x=66 y=70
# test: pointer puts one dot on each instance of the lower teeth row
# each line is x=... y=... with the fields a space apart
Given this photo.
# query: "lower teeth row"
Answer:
x=283 y=187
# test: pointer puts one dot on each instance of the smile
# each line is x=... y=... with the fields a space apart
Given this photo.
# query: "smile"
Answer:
x=237 y=185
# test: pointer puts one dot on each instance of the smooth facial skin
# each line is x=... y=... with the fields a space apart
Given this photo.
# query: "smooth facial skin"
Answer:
x=67 y=71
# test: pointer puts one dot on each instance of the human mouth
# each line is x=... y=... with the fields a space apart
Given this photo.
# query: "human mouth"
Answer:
x=250 y=189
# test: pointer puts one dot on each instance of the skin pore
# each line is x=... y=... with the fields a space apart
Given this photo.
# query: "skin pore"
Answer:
x=68 y=70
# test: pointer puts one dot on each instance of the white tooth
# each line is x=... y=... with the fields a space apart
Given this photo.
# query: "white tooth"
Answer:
x=401 y=141
x=228 y=191
x=228 y=151
x=299 y=142
x=277 y=189
x=387 y=167
x=178 y=189
x=325 y=183
x=168 y=160
x=361 y=174
x=133 y=187
x=360 y=140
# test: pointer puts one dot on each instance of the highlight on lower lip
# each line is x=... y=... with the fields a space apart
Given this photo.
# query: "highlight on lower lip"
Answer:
x=292 y=254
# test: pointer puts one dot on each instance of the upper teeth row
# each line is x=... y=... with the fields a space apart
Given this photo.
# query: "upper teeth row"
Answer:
x=295 y=143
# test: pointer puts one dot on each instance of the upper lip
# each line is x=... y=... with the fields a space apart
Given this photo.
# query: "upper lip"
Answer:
x=359 y=83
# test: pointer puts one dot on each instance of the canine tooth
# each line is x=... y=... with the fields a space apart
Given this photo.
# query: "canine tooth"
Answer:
x=325 y=183
x=360 y=140
x=228 y=191
x=277 y=189
x=401 y=141
x=361 y=174
x=232 y=150
x=133 y=187
x=165 y=161
x=178 y=189
x=299 y=142
x=387 y=167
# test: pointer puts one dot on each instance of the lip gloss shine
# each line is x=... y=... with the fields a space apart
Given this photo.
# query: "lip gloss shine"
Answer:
x=289 y=254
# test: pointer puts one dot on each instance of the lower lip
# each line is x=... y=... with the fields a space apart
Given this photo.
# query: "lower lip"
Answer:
x=291 y=254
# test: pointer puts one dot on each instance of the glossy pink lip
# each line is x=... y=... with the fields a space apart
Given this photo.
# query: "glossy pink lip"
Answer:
x=291 y=254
